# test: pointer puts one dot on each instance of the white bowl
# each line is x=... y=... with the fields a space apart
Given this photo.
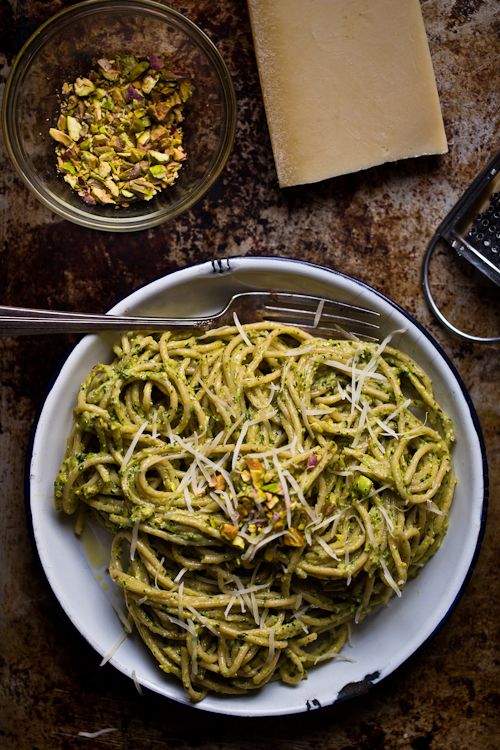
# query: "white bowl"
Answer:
x=384 y=640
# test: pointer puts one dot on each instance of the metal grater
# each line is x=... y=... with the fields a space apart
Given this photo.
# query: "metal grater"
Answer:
x=484 y=238
x=472 y=228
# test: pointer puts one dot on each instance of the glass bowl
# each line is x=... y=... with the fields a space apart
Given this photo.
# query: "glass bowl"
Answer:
x=62 y=49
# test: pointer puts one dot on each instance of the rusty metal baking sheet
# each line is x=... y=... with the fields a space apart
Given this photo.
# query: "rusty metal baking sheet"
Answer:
x=373 y=225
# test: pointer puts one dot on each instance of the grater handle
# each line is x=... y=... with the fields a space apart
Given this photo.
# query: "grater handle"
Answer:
x=433 y=306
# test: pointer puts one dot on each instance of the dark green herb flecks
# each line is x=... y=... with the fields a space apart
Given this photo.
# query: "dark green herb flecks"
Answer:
x=118 y=134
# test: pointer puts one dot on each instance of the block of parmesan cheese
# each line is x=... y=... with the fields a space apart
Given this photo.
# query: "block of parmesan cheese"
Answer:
x=347 y=85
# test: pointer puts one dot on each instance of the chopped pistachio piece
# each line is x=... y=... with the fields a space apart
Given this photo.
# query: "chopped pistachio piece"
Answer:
x=117 y=95
x=90 y=159
x=158 y=157
x=112 y=187
x=107 y=155
x=83 y=87
x=104 y=168
x=137 y=125
x=158 y=171
x=138 y=70
x=101 y=195
x=67 y=166
x=148 y=83
x=60 y=137
x=74 y=128
x=118 y=131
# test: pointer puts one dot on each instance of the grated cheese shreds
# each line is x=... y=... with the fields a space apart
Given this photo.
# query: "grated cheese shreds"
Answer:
x=399 y=409
x=303 y=410
x=251 y=551
x=113 y=650
x=223 y=406
x=254 y=608
x=273 y=388
x=296 y=486
x=346 y=334
x=229 y=607
x=298 y=352
x=243 y=432
x=263 y=618
x=187 y=498
x=241 y=331
x=434 y=509
x=136 y=683
x=271 y=646
x=179 y=575
x=361 y=424
x=319 y=312
x=290 y=448
x=122 y=617
x=284 y=486
x=353 y=370
x=326 y=547
x=331 y=519
x=239 y=443
x=235 y=427
x=99 y=733
x=221 y=502
x=135 y=534
x=182 y=624
x=339 y=657
x=180 y=601
x=390 y=580
x=214 y=332
x=133 y=444
x=388 y=521
x=202 y=619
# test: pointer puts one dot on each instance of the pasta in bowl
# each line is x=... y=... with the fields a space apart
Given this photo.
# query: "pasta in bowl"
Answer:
x=266 y=490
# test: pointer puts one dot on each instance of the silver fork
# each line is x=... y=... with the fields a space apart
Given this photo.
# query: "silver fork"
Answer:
x=318 y=315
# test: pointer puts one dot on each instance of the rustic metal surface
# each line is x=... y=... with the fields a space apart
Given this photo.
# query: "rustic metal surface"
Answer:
x=374 y=225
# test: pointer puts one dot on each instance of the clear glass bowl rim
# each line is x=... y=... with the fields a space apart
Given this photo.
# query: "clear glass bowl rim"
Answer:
x=29 y=51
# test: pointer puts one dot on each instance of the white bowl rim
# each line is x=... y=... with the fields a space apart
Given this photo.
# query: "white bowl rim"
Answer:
x=350 y=690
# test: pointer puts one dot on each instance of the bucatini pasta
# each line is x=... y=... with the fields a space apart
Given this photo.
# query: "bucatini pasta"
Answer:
x=267 y=488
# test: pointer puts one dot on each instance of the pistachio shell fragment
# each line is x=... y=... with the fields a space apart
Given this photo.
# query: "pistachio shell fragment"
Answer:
x=119 y=135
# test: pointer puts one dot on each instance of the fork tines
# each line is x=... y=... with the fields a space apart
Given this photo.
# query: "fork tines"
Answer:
x=321 y=316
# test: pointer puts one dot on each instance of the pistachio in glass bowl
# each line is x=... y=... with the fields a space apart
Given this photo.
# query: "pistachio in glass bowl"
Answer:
x=180 y=131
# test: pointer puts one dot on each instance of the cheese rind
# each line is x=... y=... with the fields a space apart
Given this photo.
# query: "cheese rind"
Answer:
x=347 y=85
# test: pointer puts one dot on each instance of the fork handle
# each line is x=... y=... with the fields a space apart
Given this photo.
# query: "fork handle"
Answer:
x=19 y=321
